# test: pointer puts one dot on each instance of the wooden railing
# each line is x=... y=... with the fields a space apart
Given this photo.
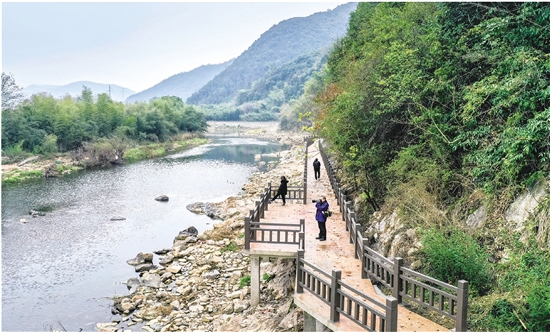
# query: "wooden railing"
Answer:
x=276 y=232
x=263 y=232
x=363 y=310
x=406 y=284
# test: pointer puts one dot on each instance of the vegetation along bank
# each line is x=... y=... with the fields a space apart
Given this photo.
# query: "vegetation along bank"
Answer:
x=44 y=136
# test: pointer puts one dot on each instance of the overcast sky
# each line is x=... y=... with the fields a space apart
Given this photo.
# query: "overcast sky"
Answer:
x=134 y=45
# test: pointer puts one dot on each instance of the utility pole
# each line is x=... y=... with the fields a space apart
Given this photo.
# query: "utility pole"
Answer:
x=109 y=90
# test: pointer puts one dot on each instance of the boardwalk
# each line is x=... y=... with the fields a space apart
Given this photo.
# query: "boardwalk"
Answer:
x=336 y=253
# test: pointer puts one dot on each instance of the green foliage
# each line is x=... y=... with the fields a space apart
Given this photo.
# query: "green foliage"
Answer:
x=50 y=144
x=232 y=246
x=523 y=292
x=268 y=277
x=245 y=281
x=46 y=125
x=452 y=255
x=18 y=176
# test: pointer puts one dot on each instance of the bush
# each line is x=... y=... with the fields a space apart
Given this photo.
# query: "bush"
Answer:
x=49 y=145
x=230 y=247
x=452 y=255
x=245 y=281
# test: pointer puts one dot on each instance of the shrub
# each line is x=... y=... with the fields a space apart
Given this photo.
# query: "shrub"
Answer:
x=268 y=277
x=230 y=247
x=245 y=281
x=452 y=255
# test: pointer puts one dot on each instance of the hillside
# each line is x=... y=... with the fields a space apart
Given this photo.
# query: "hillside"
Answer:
x=118 y=93
x=181 y=85
x=281 y=44
x=436 y=116
x=285 y=82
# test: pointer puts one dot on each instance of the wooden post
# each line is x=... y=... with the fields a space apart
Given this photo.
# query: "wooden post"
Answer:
x=462 y=307
x=334 y=296
x=356 y=236
x=391 y=314
x=267 y=198
x=299 y=272
x=246 y=233
x=364 y=274
x=260 y=210
x=397 y=282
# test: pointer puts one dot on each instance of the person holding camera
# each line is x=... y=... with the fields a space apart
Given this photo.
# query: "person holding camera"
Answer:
x=321 y=205
x=282 y=190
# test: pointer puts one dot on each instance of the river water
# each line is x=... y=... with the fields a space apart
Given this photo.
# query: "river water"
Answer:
x=59 y=270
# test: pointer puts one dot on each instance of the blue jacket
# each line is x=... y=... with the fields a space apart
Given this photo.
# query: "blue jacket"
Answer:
x=320 y=208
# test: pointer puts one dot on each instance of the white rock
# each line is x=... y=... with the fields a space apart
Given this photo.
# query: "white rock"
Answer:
x=173 y=268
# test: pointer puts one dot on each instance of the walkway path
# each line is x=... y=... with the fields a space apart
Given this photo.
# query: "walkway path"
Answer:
x=336 y=253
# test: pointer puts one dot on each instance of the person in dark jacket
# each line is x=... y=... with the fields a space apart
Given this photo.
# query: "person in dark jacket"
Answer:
x=317 y=168
x=282 y=191
x=321 y=205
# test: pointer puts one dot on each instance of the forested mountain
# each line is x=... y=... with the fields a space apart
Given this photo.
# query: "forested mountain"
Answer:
x=281 y=44
x=437 y=116
x=117 y=93
x=181 y=85
x=286 y=82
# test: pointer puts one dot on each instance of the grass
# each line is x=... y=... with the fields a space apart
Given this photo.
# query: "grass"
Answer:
x=155 y=150
x=268 y=277
x=232 y=246
x=18 y=176
x=245 y=281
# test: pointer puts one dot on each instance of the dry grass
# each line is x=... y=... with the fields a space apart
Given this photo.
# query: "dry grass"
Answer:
x=220 y=233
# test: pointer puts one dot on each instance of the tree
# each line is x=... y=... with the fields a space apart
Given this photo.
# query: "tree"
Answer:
x=11 y=93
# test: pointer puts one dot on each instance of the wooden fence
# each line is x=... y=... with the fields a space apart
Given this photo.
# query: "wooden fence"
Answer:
x=343 y=299
x=276 y=232
x=406 y=284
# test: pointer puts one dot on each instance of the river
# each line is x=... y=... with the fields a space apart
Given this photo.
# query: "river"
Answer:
x=59 y=270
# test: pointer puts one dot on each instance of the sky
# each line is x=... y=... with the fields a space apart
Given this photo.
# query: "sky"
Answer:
x=132 y=44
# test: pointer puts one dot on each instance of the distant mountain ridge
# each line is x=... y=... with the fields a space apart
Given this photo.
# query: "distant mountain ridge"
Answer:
x=118 y=93
x=181 y=85
x=281 y=44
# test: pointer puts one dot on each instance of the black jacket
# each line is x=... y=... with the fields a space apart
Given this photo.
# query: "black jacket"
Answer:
x=282 y=188
x=316 y=165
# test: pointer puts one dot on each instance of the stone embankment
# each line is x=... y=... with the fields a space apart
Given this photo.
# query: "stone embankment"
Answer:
x=201 y=282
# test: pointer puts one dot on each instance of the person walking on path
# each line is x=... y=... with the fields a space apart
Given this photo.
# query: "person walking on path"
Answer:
x=282 y=190
x=317 y=168
x=321 y=205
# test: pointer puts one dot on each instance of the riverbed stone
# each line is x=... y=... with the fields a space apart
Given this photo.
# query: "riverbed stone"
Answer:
x=151 y=280
x=162 y=198
x=212 y=274
x=141 y=258
x=173 y=268
x=144 y=267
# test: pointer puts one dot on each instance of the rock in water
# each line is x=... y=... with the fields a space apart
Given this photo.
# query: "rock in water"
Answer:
x=141 y=258
x=191 y=231
x=35 y=213
x=162 y=198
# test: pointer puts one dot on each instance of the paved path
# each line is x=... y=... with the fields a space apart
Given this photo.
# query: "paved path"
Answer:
x=336 y=253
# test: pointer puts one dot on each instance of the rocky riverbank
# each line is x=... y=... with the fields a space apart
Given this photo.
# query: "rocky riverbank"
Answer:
x=202 y=281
